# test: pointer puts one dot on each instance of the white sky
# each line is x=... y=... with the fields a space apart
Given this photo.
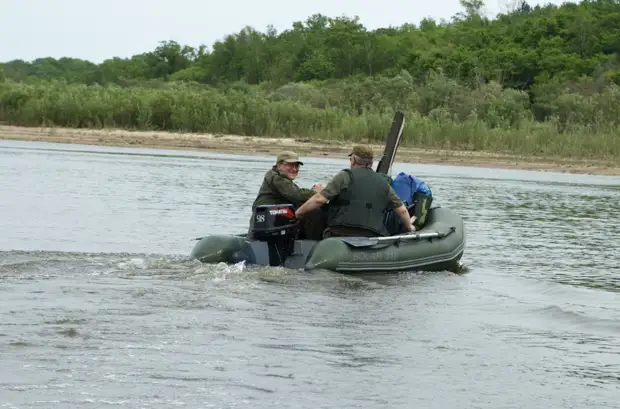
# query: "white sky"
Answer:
x=101 y=29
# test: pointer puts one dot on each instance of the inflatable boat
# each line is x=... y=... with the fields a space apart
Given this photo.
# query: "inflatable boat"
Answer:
x=271 y=242
x=272 y=239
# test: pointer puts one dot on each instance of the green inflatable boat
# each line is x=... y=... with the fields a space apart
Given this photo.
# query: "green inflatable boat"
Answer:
x=438 y=246
x=272 y=239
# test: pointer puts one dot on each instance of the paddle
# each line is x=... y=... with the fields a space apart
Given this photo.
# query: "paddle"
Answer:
x=391 y=144
x=372 y=241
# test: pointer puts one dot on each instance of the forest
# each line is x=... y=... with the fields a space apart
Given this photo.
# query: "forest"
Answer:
x=537 y=80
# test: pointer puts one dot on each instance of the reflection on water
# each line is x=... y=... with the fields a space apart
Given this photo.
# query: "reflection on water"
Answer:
x=99 y=305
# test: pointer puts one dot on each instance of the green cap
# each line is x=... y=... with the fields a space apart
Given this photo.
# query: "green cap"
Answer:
x=362 y=151
x=288 y=157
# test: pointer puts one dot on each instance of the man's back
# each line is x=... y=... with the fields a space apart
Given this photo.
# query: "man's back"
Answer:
x=358 y=198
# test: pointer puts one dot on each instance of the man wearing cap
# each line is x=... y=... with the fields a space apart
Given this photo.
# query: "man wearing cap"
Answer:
x=358 y=198
x=278 y=188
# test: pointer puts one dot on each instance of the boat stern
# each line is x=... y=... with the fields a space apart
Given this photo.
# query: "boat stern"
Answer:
x=218 y=248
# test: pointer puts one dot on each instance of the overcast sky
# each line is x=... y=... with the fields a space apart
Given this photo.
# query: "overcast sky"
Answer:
x=99 y=29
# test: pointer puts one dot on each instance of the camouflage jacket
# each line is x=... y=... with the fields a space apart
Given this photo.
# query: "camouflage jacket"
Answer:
x=277 y=188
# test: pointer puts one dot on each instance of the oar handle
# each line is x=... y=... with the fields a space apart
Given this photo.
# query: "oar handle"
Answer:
x=411 y=236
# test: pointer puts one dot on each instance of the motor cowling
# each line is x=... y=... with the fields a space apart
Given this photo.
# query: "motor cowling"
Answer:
x=276 y=225
x=273 y=220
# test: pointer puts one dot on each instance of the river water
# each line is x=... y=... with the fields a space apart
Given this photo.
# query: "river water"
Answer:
x=100 y=307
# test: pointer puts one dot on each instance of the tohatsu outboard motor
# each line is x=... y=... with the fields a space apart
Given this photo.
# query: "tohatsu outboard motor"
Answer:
x=277 y=226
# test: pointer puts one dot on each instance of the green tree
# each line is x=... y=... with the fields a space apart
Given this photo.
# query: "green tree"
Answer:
x=342 y=63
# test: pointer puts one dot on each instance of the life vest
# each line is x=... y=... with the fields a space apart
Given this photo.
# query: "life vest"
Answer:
x=362 y=203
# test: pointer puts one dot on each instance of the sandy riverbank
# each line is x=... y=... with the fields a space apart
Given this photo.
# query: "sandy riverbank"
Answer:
x=305 y=147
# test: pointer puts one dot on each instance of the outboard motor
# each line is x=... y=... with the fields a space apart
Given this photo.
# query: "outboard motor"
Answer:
x=277 y=226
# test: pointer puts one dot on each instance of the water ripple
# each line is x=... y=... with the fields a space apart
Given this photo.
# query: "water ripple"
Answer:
x=99 y=305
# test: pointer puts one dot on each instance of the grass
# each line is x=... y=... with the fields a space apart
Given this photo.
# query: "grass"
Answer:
x=484 y=119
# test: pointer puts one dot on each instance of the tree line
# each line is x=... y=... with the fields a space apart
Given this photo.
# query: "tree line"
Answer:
x=551 y=68
x=518 y=49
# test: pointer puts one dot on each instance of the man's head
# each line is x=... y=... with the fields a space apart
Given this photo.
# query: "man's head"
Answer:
x=361 y=156
x=289 y=163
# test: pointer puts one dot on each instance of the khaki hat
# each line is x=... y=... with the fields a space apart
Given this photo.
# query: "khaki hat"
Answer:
x=288 y=157
x=362 y=151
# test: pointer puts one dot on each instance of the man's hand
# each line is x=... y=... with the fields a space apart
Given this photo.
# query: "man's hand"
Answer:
x=318 y=187
x=404 y=218
x=412 y=223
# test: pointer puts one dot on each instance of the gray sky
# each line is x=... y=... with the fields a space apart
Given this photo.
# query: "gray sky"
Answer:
x=101 y=29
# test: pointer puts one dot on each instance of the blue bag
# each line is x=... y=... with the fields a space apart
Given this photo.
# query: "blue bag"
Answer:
x=406 y=185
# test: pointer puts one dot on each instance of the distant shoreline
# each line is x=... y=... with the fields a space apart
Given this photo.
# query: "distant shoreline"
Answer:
x=235 y=144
